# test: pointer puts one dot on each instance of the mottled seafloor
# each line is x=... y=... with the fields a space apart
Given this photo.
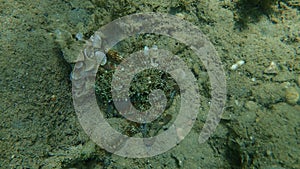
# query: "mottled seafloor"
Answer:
x=260 y=127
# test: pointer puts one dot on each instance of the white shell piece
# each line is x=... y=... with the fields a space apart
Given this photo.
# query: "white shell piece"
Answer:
x=237 y=64
x=234 y=66
x=146 y=51
x=240 y=62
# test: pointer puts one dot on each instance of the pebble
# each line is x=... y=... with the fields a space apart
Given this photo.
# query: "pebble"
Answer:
x=271 y=69
x=237 y=64
x=79 y=36
x=292 y=95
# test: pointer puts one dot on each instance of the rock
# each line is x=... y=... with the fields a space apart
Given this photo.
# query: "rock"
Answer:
x=292 y=95
x=271 y=69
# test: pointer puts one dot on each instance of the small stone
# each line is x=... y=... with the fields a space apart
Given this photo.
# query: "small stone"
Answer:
x=79 y=36
x=237 y=64
x=53 y=98
x=292 y=96
x=271 y=69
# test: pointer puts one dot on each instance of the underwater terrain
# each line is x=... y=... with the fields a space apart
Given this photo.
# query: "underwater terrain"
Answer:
x=258 y=43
